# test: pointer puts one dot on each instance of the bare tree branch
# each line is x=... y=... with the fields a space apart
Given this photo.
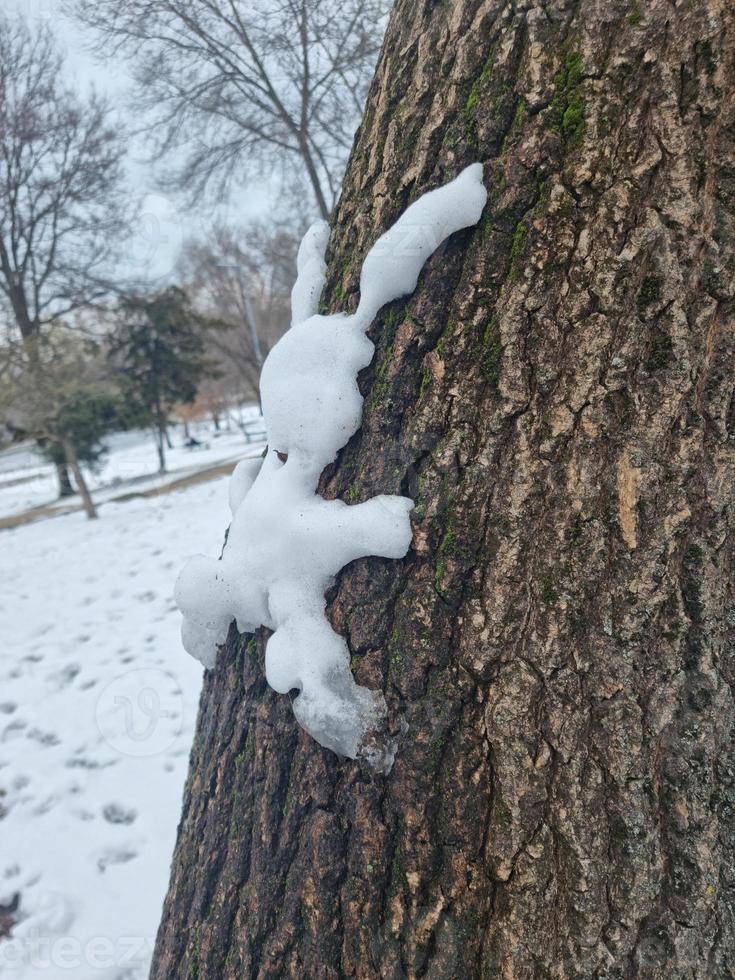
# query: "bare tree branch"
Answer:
x=238 y=79
x=62 y=210
x=242 y=282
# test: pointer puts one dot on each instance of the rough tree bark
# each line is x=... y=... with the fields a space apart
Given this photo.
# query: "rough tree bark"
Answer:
x=558 y=396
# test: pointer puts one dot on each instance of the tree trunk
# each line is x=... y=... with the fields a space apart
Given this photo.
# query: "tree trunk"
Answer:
x=161 y=446
x=65 y=487
x=557 y=648
x=73 y=463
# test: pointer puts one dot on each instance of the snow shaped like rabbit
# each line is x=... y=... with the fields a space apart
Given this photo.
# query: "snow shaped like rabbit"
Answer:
x=286 y=543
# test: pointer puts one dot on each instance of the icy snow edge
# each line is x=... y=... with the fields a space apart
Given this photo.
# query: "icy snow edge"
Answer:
x=286 y=543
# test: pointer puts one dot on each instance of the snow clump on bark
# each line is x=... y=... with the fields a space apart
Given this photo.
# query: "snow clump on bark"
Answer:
x=286 y=543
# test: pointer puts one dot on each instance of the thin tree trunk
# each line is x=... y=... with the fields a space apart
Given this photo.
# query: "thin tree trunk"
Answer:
x=160 y=446
x=556 y=650
x=73 y=463
x=65 y=487
x=161 y=431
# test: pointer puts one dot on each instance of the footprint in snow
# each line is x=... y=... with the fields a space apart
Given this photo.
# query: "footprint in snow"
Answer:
x=119 y=814
x=7 y=707
x=63 y=678
x=44 y=806
x=84 y=763
x=43 y=738
x=115 y=856
x=7 y=915
x=14 y=729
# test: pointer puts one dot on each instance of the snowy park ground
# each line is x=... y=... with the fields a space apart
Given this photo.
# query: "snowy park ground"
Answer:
x=26 y=481
x=97 y=707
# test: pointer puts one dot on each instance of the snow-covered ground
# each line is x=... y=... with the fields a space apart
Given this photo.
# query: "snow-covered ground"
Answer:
x=26 y=480
x=97 y=707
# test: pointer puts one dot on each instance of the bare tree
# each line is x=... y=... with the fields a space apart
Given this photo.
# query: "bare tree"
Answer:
x=61 y=204
x=237 y=84
x=241 y=280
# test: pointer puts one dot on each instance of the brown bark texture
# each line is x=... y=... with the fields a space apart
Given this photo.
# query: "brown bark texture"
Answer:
x=557 y=648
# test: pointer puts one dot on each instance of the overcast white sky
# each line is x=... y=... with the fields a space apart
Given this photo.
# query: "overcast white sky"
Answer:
x=164 y=221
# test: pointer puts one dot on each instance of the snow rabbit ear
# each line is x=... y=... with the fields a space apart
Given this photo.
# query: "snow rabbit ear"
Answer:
x=312 y=271
x=392 y=266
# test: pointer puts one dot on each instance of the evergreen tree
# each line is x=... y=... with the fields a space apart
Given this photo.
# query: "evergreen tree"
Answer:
x=57 y=390
x=86 y=421
x=157 y=344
